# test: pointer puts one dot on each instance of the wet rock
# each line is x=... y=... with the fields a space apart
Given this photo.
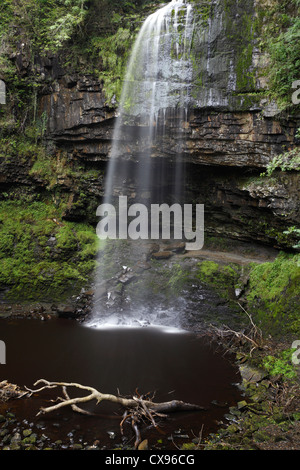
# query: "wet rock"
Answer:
x=77 y=446
x=89 y=293
x=6 y=439
x=242 y=404
x=250 y=374
x=219 y=404
x=4 y=432
x=31 y=439
x=100 y=292
x=141 y=266
x=143 y=445
x=66 y=311
x=126 y=278
x=176 y=247
x=162 y=255
x=154 y=248
x=16 y=438
x=15 y=446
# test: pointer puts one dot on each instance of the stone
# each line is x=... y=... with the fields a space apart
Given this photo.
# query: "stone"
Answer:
x=66 y=311
x=16 y=438
x=29 y=440
x=271 y=110
x=250 y=374
x=100 y=292
x=162 y=255
x=176 y=247
x=77 y=447
x=242 y=404
x=143 y=445
x=141 y=266
x=127 y=277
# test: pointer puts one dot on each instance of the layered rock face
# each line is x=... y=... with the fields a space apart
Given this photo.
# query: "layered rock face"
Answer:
x=225 y=137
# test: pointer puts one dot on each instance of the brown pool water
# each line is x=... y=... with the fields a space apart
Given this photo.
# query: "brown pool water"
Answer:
x=173 y=365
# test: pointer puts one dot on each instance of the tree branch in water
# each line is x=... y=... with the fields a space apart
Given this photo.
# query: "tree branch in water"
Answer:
x=137 y=408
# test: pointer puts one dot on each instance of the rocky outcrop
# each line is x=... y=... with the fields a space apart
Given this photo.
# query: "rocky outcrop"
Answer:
x=78 y=117
x=229 y=133
x=80 y=121
x=228 y=120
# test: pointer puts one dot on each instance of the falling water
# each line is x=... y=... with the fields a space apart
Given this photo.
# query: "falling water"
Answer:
x=156 y=88
x=154 y=103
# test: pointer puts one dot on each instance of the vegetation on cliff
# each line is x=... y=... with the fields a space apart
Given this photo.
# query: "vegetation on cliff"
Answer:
x=273 y=293
x=42 y=256
x=280 y=36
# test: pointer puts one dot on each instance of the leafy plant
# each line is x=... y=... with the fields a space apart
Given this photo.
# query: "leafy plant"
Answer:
x=293 y=231
x=286 y=161
x=281 y=365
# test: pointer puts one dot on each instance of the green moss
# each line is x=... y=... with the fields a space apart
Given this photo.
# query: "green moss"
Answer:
x=222 y=277
x=273 y=294
x=204 y=10
x=178 y=277
x=189 y=446
x=113 y=52
x=279 y=39
x=49 y=24
x=41 y=256
x=20 y=147
x=242 y=34
x=281 y=365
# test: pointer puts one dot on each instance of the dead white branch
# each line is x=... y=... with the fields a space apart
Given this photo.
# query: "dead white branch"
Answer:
x=137 y=408
x=93 y=394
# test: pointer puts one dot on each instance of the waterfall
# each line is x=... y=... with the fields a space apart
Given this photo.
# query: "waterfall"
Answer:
x=153 y=106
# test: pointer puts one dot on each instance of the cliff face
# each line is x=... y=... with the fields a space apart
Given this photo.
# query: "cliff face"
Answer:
x=231 y=133
x=80 y=121
x=230 y=121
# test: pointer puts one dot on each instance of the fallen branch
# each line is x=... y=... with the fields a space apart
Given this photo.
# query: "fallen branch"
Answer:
x=171 y=406
x=9 y=391
x=138 y=408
